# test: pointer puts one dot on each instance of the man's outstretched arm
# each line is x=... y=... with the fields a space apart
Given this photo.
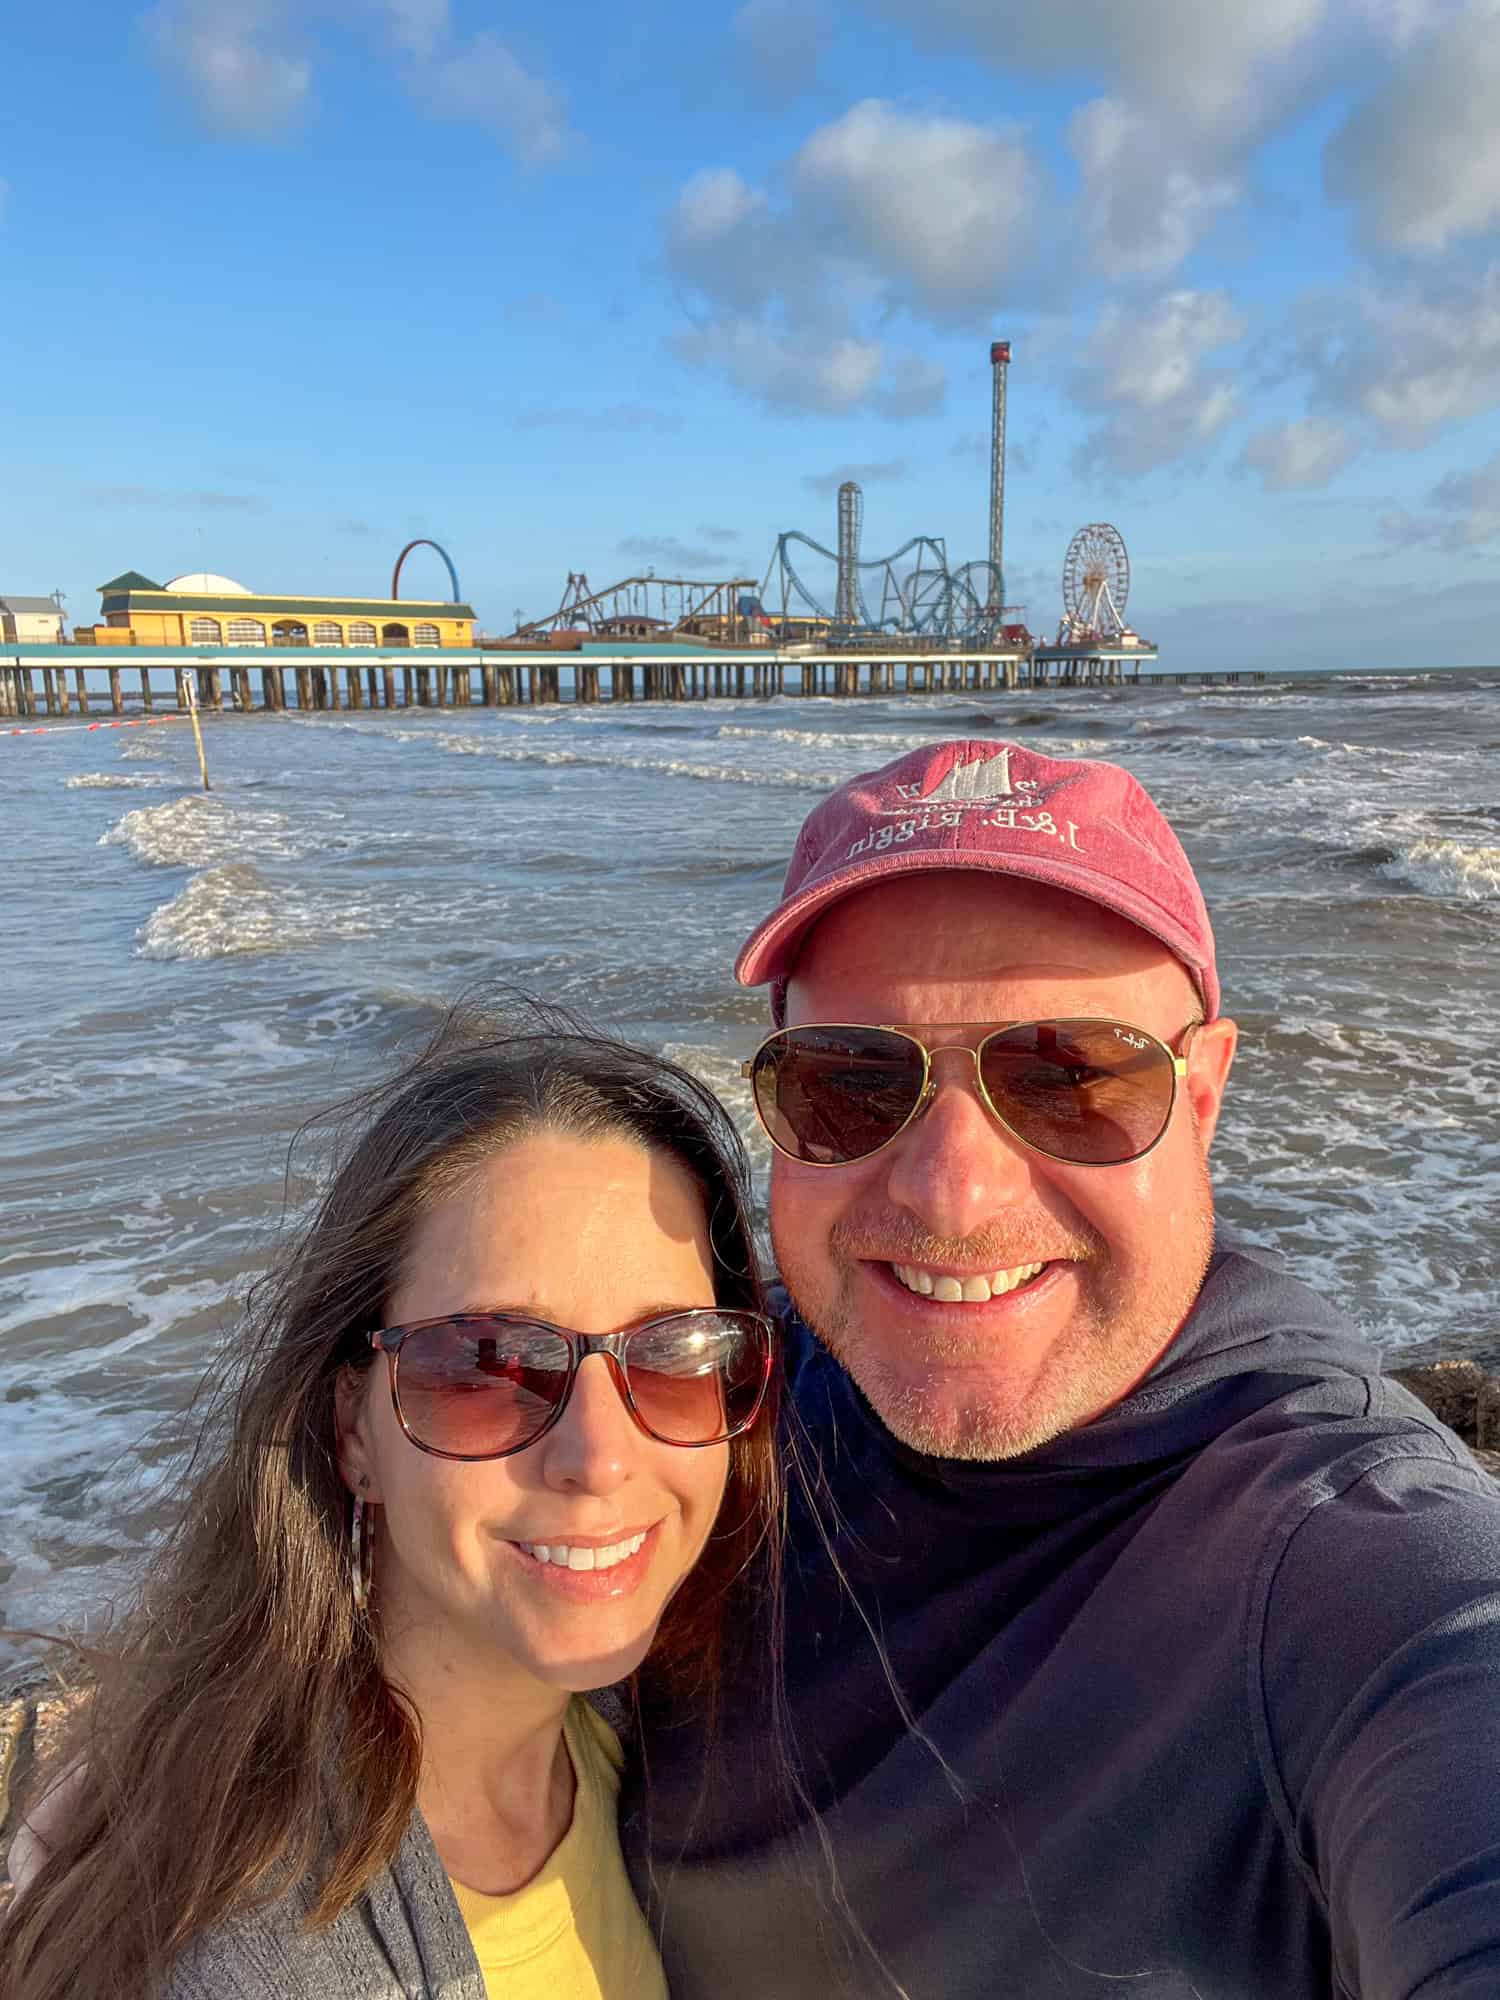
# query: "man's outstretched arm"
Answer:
x=1379 y=1713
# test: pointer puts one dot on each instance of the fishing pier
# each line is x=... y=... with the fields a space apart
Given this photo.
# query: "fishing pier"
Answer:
x=62 y=680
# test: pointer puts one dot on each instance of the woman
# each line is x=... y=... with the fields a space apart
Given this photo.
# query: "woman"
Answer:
x=500 y=1429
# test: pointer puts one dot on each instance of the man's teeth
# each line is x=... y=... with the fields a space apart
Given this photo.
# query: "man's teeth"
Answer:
x=972 y=1290
x=569 y=1556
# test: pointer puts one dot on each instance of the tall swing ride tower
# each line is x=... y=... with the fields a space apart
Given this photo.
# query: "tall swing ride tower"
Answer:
x=1000 y=369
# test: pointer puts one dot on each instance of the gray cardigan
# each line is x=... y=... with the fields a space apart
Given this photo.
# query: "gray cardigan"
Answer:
x=405 y=1939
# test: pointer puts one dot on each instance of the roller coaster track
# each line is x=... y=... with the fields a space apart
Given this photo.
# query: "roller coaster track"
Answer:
x=919 y=595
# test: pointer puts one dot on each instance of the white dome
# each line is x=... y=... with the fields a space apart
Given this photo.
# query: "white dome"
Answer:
x=205 y=583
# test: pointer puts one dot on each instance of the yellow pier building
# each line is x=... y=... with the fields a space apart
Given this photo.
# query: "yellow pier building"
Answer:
x=208 y=610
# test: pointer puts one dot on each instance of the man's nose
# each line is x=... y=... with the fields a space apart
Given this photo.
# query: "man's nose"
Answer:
x=956 y=1165
x=593 y=1445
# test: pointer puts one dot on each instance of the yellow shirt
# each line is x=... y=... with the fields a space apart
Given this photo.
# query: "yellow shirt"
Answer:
x=575 y=1932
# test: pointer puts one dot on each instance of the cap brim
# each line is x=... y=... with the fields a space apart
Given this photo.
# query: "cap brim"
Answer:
x=770 y=952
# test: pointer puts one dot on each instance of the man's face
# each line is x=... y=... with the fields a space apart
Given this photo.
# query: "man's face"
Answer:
x=1123 y=1248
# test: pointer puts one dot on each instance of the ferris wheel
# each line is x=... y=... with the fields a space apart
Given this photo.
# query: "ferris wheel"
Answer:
x=1096 y=583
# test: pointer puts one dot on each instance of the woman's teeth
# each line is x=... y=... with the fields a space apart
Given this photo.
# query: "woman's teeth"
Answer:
x=569 y=1556
x=973 y=1290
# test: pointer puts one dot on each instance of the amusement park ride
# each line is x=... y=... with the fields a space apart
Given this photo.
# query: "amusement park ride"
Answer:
x=1096 y=585
x=838 y=598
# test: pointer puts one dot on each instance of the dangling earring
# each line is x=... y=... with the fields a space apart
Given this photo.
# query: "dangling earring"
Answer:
x=362 y=1549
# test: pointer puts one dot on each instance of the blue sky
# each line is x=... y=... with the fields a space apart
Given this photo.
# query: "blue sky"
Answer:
x=615 y=288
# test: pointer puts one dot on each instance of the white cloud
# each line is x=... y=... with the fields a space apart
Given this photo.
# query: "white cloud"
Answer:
x=723 y=241
x=804 y=368
x=938 y=208
x=1187 y=90
x=870 y=474
x=616 y=417
x=1141 y=210
x=244 y=69
x=1213 y=65
x=1464 y=516
x=671 y=550
x=781 y=44
x=1308 y=452
x=248 y=67
x=1408 y=358
x=485 y=82
x=886 y=214
x=416 y=26
x=1477 y=491
x=1419 y=158
x=1146 y=369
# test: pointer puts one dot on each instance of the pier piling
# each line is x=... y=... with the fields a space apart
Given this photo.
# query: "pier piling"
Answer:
x=323 y=681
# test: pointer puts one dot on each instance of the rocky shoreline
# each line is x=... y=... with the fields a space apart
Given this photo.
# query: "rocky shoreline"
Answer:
x=35 y=1703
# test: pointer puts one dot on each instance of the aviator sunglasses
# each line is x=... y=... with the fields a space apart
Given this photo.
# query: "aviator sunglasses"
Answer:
x=484 y=1385
x=1093 y=1093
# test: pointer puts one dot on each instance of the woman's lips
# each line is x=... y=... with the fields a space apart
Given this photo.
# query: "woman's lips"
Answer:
x=588 y=1586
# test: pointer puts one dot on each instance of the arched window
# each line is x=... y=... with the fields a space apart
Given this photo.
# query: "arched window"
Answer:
x=288 y=632
x=205 y=632
x=394 y=635
x=246 y=632
x=326 y=633
x=424 y=635
x=361 y=634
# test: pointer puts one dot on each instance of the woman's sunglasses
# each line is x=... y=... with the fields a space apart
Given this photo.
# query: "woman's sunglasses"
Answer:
x=484 y=1385
x=1094 y=1093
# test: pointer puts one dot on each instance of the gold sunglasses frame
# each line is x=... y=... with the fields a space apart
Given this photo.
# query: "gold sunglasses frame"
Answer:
x=974 y=1050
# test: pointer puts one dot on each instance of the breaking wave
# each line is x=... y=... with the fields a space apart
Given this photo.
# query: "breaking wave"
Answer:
x=120 y=781
x=1447 y=868
x=233 y=911
x=202 y=830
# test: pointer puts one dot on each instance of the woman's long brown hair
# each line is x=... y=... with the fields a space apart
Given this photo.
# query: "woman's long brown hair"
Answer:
x=207 y=1784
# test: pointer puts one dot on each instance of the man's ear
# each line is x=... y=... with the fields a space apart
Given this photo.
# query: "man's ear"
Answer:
x=1210 y=1052
x=353 y=1388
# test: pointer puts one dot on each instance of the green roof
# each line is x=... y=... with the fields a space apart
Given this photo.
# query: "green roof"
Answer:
x=130 y=580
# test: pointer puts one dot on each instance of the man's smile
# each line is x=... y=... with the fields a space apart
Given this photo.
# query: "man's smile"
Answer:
x=973 y=1288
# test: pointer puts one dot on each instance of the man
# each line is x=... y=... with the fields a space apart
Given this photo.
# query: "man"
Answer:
x=1139 y=1638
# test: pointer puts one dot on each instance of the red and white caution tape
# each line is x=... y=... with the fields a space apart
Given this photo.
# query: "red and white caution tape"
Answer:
x=83 y=728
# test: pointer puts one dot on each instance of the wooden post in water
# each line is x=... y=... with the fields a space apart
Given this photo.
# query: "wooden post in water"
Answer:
x=83 y=691
x=190 y=693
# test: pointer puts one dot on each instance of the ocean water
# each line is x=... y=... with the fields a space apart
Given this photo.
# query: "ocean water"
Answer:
x=186 y=977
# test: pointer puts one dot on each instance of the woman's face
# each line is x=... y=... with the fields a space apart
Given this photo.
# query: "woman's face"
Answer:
x=590 y=1234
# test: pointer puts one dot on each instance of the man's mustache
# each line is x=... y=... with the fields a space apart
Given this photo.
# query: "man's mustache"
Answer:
x=900 y=1240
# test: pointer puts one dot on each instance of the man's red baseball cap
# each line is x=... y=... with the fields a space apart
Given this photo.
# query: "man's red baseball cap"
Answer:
x=1073 y=823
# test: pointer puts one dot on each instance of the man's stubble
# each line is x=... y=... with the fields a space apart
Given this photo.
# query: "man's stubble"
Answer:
x=1112 y=1340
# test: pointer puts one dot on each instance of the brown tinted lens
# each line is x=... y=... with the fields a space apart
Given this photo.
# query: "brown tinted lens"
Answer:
x=698 y=1377
x=831 y=1095
x=1095 y=1092
x=477 y=1387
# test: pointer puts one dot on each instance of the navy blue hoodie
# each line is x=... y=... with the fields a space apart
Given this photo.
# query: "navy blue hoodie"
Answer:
x=1199 y=1702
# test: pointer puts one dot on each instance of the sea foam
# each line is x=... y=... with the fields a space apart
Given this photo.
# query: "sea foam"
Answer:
x=1448 y=868
x=233 y=910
